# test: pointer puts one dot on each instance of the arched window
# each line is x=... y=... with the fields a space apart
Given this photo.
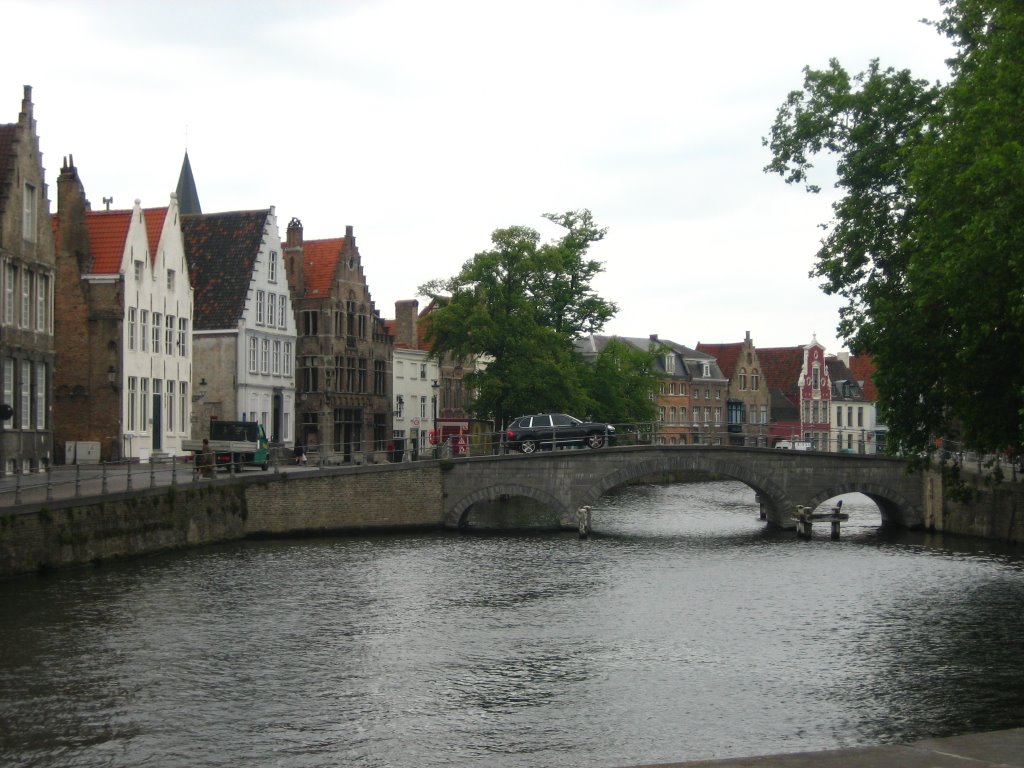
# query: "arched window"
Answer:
x=743 y=378
x=755 y=379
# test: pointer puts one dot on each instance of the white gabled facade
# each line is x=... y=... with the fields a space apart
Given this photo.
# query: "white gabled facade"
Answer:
x=265 y=368
x=415 y=387
x=156 y=376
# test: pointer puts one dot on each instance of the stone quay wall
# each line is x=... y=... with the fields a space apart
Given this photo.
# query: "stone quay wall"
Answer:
x=346 y=500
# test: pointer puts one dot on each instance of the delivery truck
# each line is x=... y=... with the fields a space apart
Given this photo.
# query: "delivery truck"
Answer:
x=234 y=444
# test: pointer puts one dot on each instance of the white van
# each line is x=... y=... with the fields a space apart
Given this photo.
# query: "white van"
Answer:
x=793 y=445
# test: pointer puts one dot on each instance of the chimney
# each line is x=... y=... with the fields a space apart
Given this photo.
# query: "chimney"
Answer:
x=406 y=313
x=72 y=235
x=654 y=338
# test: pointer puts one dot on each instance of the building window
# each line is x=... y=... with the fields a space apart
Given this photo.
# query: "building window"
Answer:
x=815 y=377
x=8 y=388
x=839 y=416
x=26 y=299
x=169 y=335
x=276 y=359
x=40 y=395
x=144 y=405
x=670 y=363
x=183 y=406
x=261 y=301
x=705 y=369
x=743 y=379
x=42 y=302
x=144 y=330
x=139 y=267
x=26 y=393
x=253 y=358
x=265 y=356
x=282 y=304
x=133 y=394
x=423 y=406
x=158 y=321
x=379 y=384
x=170 y=280
x=271 y=310
x=131 y=329
x=755 y=380
x=183 y=336
x=423 y=371
x=363 y=369
x=28 y=228
x=718 y=415
x=707 y=415
x=272 y=267
x=287 y=359
x=170 y=405
x=860 y=416
x=310 y=322
x=10 y=276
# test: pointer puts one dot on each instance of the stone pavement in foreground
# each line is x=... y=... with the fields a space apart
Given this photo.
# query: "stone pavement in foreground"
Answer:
x=996 y=749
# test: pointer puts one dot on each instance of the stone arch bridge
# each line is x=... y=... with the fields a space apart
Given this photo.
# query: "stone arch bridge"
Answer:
x=562 y=482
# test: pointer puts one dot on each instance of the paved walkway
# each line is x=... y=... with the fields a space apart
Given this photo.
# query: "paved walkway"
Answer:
x=996 y=749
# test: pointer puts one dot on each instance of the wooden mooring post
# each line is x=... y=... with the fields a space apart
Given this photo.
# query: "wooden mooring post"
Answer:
x=583 y=518
x=805 y=518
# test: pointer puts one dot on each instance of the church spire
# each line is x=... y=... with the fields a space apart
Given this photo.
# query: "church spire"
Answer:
x=188 y=197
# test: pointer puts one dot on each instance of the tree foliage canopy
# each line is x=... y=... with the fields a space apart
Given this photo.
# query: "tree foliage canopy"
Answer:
x=521 y=304
x=927 y=239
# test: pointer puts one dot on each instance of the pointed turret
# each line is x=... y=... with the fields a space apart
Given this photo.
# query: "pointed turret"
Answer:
x=188 y=197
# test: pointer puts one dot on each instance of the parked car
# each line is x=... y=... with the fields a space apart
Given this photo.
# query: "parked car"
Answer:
x=545 y=430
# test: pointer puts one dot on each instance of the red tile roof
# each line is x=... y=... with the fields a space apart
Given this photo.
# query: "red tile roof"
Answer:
x=108 y=231
x=321 y=264
x=726 y=354
x=863 y=368
x=781 y=367
x=154 y=226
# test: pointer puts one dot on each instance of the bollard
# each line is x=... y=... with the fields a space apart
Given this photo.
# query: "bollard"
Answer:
x=103 y=478
x=835 y=530
x=174 y=470
x=128 y=476
x=17 y=485
x=152 y=472
x=78 y=479
x=49 y=483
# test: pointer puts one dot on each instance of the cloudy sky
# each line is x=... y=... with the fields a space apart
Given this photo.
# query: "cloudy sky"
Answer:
x=427 y=125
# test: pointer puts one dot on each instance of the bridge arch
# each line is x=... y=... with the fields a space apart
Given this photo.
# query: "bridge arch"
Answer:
x=895 y=508
x=777 y=502
x=458 y=514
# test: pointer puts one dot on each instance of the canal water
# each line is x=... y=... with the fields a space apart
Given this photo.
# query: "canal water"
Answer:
x=682 y=629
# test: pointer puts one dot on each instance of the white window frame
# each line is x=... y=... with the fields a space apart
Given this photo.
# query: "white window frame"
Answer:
x=286 y=362
x=29 y=213
x=10 y=278
x=265 y=356
x=132 y=318
x=261 y=301
x=169 y=331
x=272 y=267
x=40 y=396
x=282 y=313
x=158 y=329
x=133 y=394
x=144 y=331
x=253 y=354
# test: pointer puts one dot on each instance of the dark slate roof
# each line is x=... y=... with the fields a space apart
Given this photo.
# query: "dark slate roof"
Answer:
x=188 y=196
x=221 y=250
x=8 y=138
x=844 y=384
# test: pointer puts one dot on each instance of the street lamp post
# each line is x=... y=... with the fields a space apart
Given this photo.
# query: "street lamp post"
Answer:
x=433 y=404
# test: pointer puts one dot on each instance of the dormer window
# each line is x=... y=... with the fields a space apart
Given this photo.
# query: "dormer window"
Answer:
x=706 y=370
x=670 y=363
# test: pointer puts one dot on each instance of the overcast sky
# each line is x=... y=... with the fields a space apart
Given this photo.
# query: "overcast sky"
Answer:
x=427 y=125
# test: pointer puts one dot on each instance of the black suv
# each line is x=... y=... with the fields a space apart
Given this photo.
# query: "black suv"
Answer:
x=528 y=433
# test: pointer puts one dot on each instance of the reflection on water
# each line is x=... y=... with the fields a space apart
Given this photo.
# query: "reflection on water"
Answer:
x=682 y=629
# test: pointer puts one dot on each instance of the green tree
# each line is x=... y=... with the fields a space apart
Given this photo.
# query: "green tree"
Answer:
x=622 y=382
x=521 y=304
x=926 y=240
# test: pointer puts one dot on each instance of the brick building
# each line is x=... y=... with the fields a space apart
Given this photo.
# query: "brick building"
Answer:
x=343 y=349
x=801 y=393
x=124 y=330
x=27 y=277
x=748 y=402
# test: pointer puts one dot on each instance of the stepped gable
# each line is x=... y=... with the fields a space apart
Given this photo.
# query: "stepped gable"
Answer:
x=727 y=355
x=321 y=259
x=8 y=138
x=221 y=251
